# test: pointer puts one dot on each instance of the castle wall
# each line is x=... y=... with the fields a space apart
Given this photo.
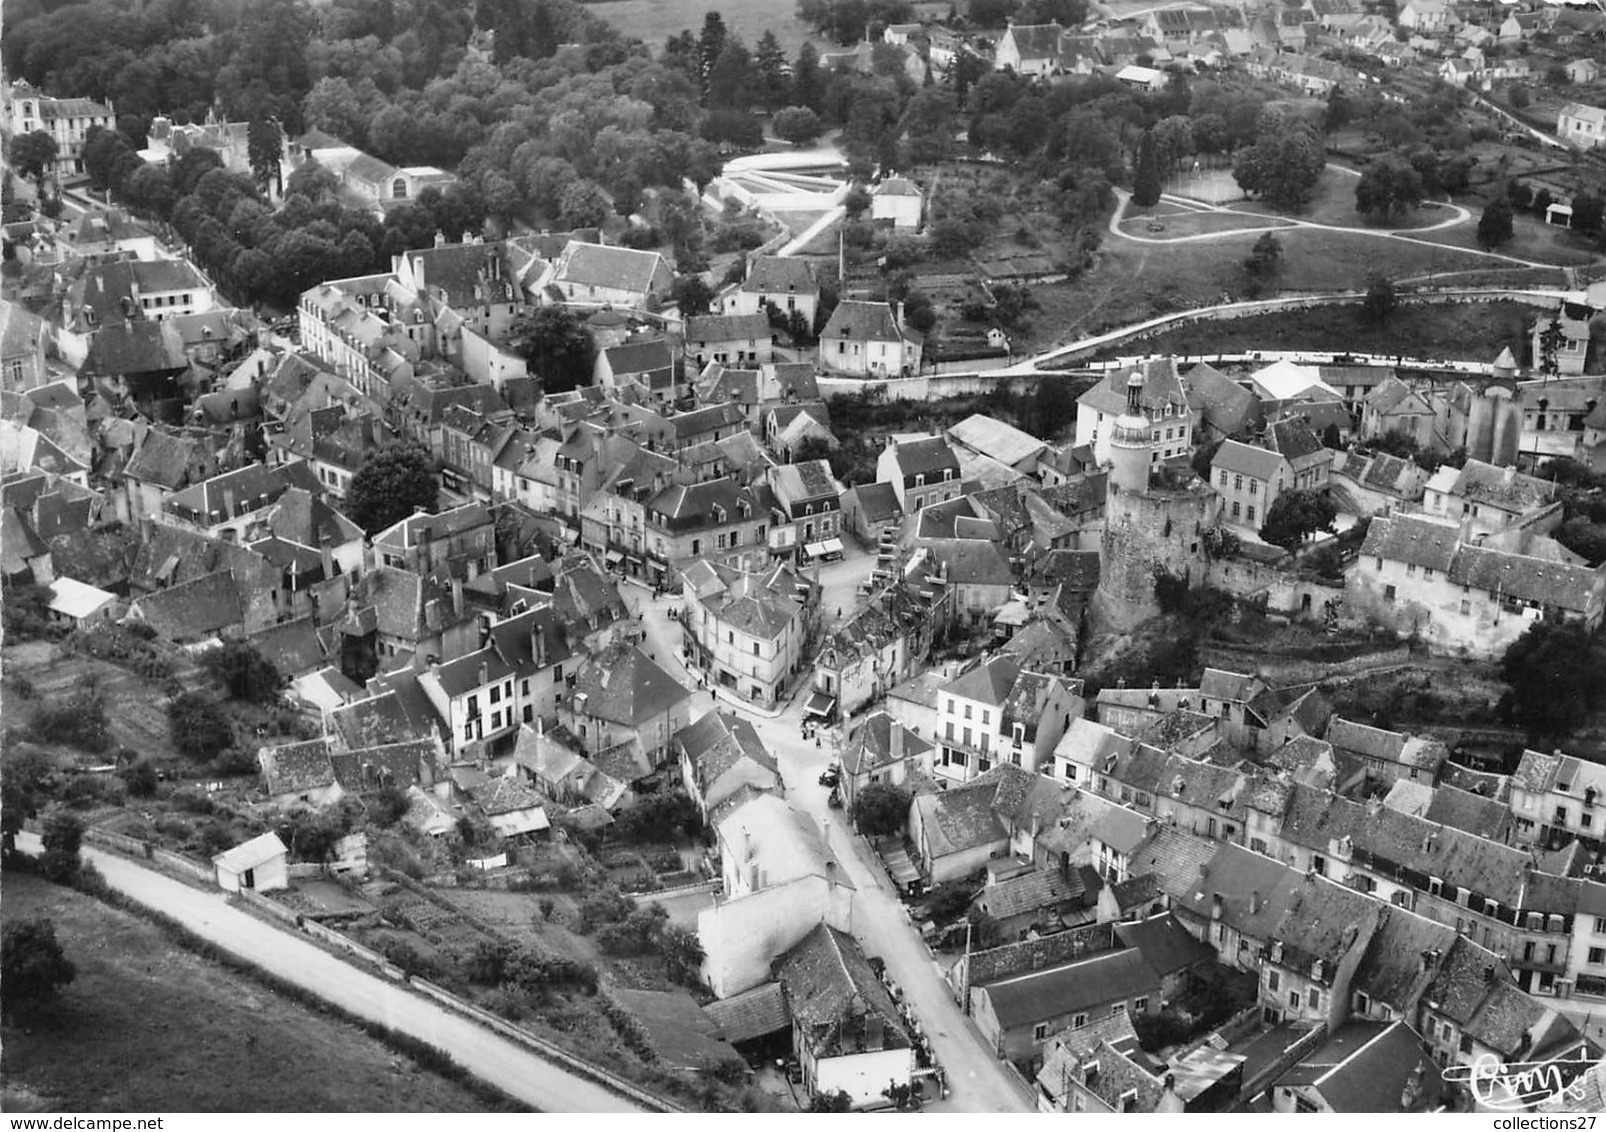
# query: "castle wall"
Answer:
x=1158 y=528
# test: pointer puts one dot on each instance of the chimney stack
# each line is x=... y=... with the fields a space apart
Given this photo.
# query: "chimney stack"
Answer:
x=457 y=598
x=895 y=743
x=1216 y=905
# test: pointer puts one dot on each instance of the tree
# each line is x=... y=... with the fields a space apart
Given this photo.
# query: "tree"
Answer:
x=1550 y=342
x=201 y=730
x=710 y=44
x=1497 y=225
x=264 y=147
x=771 y=83
x=991 y=13
x=1283 y=165
x=391 y=484
x=1588 y=210
x=731 y=79
x=953 y=237
x=1053 y=407
x=1147 y=182
x=1340 y=111
x=62 y=836
x=244 y=671
x=1583 y=537
x=34 y=155
x=557 y=347
x=796 y=124
x=881 y=810
x=583 y=204
x=807 y=87
x=1381 y=299
x=1557 y=673
x=857 y=202
x=918 y=312
x=1265 y=258
x=1389 y=185
x=692 y=295
x=33 y=966
x=683 y=954
x=1296 y=514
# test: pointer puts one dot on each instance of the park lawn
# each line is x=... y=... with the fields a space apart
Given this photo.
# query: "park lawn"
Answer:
x=148 y=1026
x=1333 y=202
x=1192 y=223
x=1133 y=282
x=1476 y=331
x=654 y=21
x=1534 y=240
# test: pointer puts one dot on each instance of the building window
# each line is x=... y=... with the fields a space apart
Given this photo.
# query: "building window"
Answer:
x=1140 y=1005
x=967 y=711
x=1223 y=477
x=1040 y=1032
x=1078 y=1021
x=1237 y=483
x=1254 y=487
x=1315 y=999
x=1293 y=1000
x=1597 y=956
x=1273 y=980
x=1117 y=1010
x=1250 y=514
x=1237 y=510
x=1388 y=593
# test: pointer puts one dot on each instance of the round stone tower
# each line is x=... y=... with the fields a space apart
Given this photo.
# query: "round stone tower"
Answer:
x=1154 y=519
x=1131 y=441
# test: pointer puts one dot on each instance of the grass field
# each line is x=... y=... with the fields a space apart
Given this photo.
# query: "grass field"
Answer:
x=1456 y=331
x=654 y=21
x=1133 y=282
x=148 y=1026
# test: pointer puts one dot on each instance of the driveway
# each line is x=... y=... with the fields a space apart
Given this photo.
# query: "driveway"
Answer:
x=492 y=1058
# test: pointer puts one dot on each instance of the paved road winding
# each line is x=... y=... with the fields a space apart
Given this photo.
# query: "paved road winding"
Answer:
x=503 y=1063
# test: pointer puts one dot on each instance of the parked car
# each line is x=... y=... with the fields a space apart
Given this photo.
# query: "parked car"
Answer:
x=831 y=775
x=835 y=800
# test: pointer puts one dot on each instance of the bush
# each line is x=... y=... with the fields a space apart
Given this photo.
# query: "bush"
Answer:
x=244 y=671
x=201 y=729
x=33 y=966
x=140 y=779
x=234 y=762
x=77 y=722
x=62 y=835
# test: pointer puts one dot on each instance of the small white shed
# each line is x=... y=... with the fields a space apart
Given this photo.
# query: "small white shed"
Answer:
x=259 y=865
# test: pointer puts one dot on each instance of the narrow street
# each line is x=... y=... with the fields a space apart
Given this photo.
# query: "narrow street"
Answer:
x=977 y=1080
x=505 y=1064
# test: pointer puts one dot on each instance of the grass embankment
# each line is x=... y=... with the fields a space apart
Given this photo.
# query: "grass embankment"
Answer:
x=150 y=1024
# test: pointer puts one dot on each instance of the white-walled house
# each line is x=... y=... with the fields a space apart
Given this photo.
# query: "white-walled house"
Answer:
x=869 y=339
x=781 y=881
x=898 y=201
x=259 y=865
x=1582 y=126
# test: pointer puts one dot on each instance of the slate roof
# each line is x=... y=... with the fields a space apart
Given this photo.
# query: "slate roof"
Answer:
x=1042 y=890
x=925 y=457
x=855 y=320
x=870 y=744
x=1113 y=976
x=140 y=347
x=193 y=610
x=810 y=480
x=752 y=1014
x=1294 y=438
x=1246 y=459
x=1473 y=813
x=1164 y=944
x=622 y=269
x=1419 y=542
x=1365 y=1067
x=1035 y=41
x=878 y=502
x=294 y=768
x=379 y=719
x=1505 y=488
x=649 y=357
x=727 y=328
x=392 y=764
x=989 y=682
x=678 y=1030
x=771 y=274
x=1527 y=578
x=960 y=818
x=292 y=646
x=829 y=984
x=973 y=562
x=623 y=686
x=1223 y=404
